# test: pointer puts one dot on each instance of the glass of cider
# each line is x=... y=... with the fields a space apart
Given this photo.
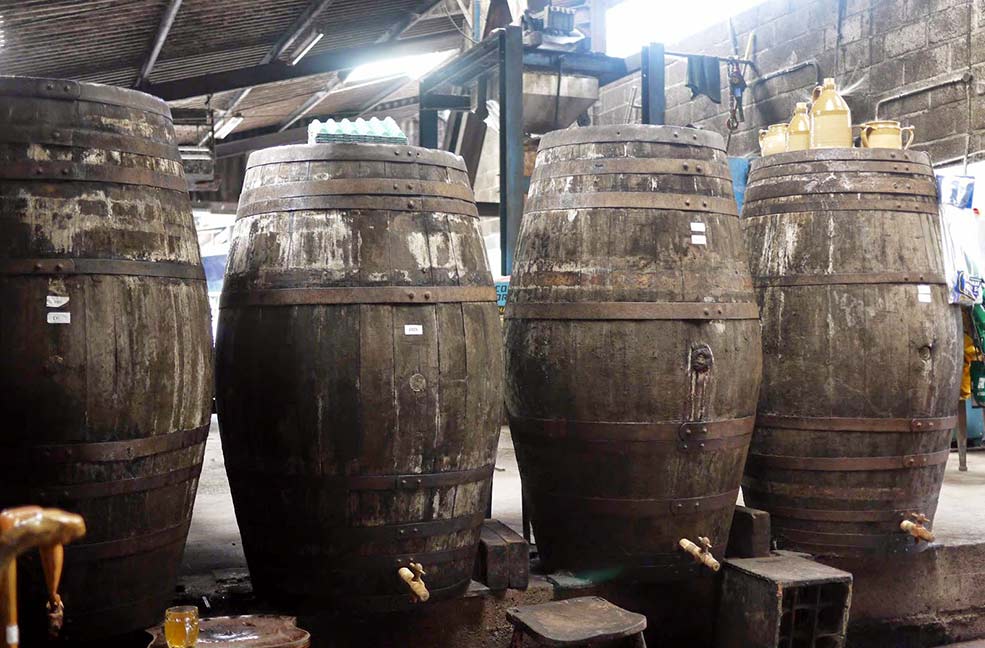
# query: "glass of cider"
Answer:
x=181 y=626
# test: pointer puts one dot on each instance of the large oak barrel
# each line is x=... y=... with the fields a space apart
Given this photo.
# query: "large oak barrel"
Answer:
x=359 y=362
x=862 y=352
x=105 y=342
x=633 y=349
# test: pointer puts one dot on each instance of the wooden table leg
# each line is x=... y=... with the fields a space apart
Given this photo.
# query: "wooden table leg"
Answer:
x=962 y=435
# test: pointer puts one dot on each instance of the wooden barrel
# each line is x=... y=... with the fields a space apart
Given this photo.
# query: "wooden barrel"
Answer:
x=862 y=352
x=633 y=349
x=359 y=363
x=105 y=341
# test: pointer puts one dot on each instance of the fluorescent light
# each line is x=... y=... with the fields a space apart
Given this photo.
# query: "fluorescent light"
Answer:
x=414 y=66
x=228 y=125
x=306 y=46
x=631 y=24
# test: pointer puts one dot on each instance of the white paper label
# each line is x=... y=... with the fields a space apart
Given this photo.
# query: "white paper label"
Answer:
x=59 y=317
x=55 y=301
x=13 y=635
x=923 y=294
x=981 y=383
x=413 y=329
x=697 y=227
x=699 y=239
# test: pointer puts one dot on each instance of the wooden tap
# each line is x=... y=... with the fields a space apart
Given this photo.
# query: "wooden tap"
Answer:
x=702 y=553
x=412 y=577
x=24 y=528
x=915 y=527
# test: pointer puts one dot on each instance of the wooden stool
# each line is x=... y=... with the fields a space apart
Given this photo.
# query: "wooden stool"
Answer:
x=585 y=621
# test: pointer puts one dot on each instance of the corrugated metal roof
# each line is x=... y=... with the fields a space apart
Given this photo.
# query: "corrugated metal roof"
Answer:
x=107 y=41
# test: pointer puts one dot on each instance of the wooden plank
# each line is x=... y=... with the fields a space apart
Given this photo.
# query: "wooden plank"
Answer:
x=517 y=553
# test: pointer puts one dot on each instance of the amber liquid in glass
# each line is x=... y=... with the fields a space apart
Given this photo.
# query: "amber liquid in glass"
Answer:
x=181 y=627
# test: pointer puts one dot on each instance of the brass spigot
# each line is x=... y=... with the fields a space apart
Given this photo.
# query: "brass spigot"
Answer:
x=915 y=527
x=21 y=529
x=702 y=553
x=412 y=577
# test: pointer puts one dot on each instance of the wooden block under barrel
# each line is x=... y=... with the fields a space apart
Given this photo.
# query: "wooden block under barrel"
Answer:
x=749 y=536
x=492 y=564
x=504 y=557
x=517 y=554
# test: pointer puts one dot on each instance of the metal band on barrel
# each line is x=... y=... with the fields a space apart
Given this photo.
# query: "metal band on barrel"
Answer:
x=823 y=185
x=413 y=481
x=847 y=464
x=382 y=533
x=630 y=200
x=848 y=279
x=621 y=166
x=839 y=154
x=611 y=507
x=93 y=490
x=71 y=266
x=106 y=451
x=890 y=168
x=357 y=563
x=360 y=187
x=62 y=89
x=844 y=424
x=823 y=515
x=49 y=135
x=359 y=295
x=415 y=204
x=63 y=170
x=822 y=203
x=622 y=431
x=130 y=545
x=627 y=133
x=633 y=311
x=342 y=152
x=835 y=541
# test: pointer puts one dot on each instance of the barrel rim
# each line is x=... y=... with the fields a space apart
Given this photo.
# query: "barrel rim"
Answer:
x=355 y=151
x=840 y=154
x=680 y=135
x=68 y=90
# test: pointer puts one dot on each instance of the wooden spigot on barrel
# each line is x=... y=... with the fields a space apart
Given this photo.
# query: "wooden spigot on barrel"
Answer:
x=24 y=528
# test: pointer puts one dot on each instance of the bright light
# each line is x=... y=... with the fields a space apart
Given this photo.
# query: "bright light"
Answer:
x=306 y=47
x=414 y=66
x=228 y=125
x=634 y=23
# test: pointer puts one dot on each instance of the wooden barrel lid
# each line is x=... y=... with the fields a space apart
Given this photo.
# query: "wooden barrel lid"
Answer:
x=251 y=631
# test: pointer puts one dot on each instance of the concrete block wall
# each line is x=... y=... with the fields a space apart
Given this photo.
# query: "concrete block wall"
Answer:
x=885 y=47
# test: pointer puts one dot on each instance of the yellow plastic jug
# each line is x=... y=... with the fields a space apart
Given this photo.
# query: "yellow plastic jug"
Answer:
x=886 y=134
x=831 y=119
x=799 y=130
x=773 y=139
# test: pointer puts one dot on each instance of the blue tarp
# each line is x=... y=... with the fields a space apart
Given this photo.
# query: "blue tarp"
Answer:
x=739 y=168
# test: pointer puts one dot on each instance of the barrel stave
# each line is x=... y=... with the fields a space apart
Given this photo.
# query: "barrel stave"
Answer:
x=363 y=245
x=860 y=374
x=609 y=301
x=107 y=415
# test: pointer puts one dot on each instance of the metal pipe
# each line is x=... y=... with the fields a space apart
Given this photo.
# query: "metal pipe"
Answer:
x=167 y=21
x=721 y=59
x=789 y=70
x=933 y=84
